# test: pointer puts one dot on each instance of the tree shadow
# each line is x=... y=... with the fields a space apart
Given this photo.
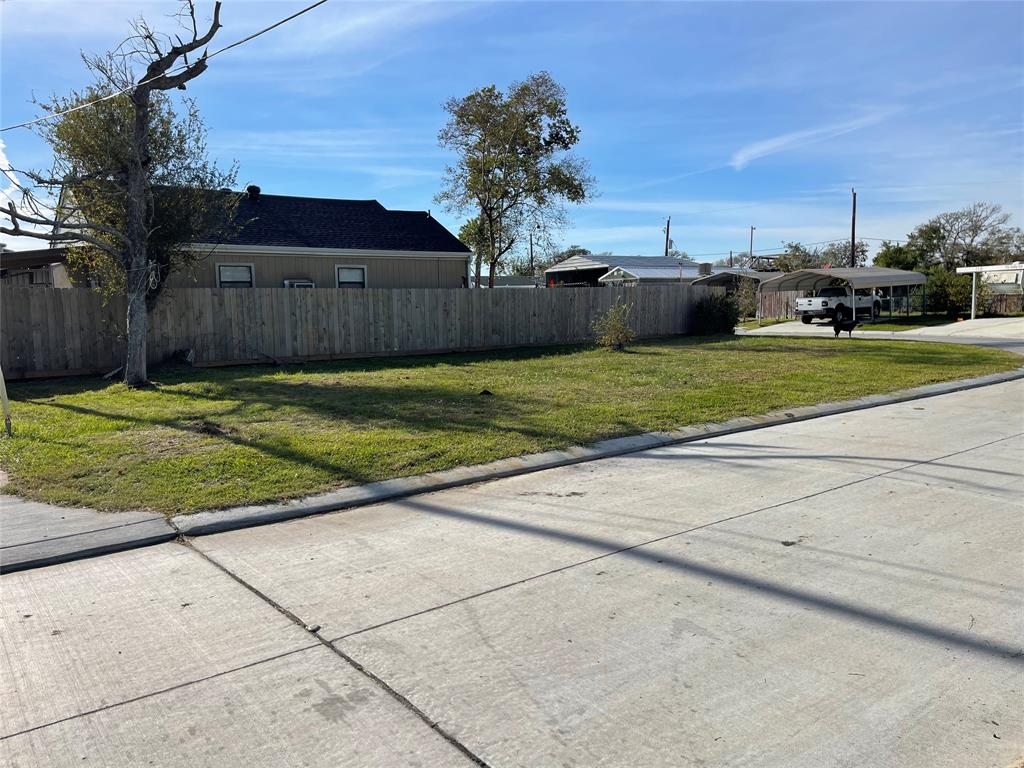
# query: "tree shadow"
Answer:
x=863 y=614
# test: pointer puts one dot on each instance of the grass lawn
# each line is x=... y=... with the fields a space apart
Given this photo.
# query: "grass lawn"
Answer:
x=206 y=438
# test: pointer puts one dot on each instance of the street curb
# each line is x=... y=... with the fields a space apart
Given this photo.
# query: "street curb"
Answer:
x=219 y=521
x=44 y=554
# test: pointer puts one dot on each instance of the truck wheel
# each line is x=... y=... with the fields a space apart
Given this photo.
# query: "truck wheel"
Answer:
x=839 y=314
x=805 y=319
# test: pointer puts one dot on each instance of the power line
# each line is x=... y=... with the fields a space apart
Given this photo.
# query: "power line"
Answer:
x=180 y=68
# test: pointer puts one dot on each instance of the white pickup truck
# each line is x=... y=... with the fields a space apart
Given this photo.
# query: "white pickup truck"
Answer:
x=834 y=303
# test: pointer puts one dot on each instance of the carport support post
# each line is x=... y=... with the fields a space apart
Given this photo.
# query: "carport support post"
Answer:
x=974 y=293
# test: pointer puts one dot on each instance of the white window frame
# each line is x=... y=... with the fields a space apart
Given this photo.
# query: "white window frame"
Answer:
x=250 y=265
x=337 y=267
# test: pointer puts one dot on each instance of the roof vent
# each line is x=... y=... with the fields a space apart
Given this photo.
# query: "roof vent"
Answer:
x=253 y=191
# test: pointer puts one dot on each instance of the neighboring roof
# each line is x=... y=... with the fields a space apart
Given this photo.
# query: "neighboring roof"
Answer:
x=580 y=263
x=650 y=273
x=727 y=276
x=863 y=277
x=315 y=222
x=1016 y=266
x=38 y=257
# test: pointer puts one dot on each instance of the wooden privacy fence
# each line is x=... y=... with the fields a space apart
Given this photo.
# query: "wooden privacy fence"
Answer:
x=779 y=304
x=55 y=332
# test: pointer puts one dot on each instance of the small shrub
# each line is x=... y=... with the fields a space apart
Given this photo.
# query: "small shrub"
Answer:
x=613 y=331
x=746 y=297
x=715 y=314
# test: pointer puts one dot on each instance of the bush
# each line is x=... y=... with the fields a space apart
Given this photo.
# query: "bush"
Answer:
x=746 y=297
x=715 y=314
x=613 y=331
x=950 y=294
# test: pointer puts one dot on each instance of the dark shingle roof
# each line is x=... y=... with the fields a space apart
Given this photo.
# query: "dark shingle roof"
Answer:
x=313 y=222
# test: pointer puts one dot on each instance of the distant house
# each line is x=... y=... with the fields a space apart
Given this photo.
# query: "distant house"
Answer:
x=623 y=270
x=40 y=267
x=284 y=241
x=279 y=241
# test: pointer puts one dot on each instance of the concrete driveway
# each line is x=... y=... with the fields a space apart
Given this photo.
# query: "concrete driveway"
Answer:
x=845 y=591
x=1008 y=328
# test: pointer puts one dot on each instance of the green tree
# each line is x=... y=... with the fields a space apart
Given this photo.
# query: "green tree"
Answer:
x=186 y=203
x=115 y=150
x=746 y=297
x=896 y=256
x=838 y=254
x=514 y=165
x=797 y=256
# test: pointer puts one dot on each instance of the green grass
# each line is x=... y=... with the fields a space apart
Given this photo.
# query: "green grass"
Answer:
x=207 y=438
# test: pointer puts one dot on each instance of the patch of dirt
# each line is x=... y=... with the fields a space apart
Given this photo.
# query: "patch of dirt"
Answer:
x=207 y=427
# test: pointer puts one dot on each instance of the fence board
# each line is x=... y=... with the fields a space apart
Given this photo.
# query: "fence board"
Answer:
x=49 y=332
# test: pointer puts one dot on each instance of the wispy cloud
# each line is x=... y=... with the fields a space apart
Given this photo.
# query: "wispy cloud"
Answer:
x=742 y=157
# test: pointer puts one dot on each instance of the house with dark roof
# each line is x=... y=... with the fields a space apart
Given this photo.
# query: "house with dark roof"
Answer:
x=606 y=269
x=282 y=241
x=278 y=241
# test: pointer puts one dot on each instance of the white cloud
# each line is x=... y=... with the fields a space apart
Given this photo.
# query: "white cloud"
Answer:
x=787 y=141
x=9 y=192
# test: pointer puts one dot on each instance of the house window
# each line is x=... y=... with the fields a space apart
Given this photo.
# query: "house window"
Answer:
x=235 y=276
x=351 y=277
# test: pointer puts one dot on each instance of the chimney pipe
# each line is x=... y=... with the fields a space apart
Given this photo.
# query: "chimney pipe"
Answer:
x=253 y=191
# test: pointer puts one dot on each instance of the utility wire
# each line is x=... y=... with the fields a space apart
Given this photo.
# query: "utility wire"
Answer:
x=180 y=68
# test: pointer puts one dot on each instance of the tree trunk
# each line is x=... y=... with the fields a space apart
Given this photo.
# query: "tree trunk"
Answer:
x=137 y=266
x=479 y=261
x=490 y=273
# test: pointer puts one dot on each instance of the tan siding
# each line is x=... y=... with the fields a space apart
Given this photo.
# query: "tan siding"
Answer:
x=381 y=272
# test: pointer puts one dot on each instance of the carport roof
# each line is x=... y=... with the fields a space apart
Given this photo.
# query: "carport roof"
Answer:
x=862 y=277
x=726 y=276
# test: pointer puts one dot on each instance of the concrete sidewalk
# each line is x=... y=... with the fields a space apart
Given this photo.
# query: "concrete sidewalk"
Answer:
x=840 y=591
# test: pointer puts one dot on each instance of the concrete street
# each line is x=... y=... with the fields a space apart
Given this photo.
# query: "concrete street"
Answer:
x=844 y=591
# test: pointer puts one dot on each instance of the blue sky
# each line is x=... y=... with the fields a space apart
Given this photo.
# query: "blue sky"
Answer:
x=721 y=115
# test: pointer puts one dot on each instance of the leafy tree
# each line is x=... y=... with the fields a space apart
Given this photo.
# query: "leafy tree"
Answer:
x=896 y=256
x=123 y=150
x=746 y=297
x=796 y=256
x=838 y=254
x=186 y=204
x=950 y=294
x=513 y=165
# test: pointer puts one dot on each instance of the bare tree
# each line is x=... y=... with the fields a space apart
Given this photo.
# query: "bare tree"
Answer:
x=169 y=65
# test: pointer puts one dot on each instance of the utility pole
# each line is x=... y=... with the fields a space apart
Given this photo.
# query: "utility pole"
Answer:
x=730 y=259
x=750 y=253
x=668 y=228
x=531 y=254
x=853 y=230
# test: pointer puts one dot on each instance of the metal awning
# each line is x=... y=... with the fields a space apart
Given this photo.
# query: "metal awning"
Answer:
x=863 y=277
x=727 y=276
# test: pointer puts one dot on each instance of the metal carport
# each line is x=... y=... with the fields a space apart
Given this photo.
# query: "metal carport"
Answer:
x=855 y=279
x=731 y=277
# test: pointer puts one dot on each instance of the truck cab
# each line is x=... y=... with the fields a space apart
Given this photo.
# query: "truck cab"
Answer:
x=833 y=303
